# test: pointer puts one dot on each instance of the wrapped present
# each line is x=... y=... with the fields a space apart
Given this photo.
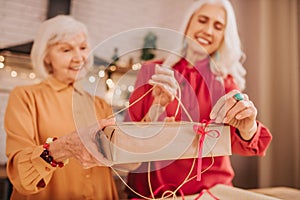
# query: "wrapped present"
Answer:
x=131 y=142
x=226 y=192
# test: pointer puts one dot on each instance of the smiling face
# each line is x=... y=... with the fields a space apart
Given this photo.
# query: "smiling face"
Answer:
x=67 y=57
x=207 y=27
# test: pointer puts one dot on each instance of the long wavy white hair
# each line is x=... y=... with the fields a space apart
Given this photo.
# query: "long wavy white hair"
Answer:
x=51 y=31
x=228 y=59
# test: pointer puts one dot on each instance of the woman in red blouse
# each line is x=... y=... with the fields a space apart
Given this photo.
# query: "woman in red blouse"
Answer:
x=210 y=86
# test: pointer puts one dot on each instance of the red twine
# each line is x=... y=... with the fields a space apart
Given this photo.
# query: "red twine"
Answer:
x=208 y=192
x=200 y=129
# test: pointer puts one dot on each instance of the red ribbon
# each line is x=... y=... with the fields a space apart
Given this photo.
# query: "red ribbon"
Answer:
x=200 y=129
x=206 y=191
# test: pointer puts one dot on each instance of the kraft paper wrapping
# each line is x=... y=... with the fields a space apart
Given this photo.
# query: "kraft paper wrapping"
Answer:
x=131 y=142
x=225 y=192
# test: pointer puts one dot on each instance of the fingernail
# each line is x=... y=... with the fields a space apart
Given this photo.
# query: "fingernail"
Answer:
x=212 y=115
x=157 y=67
x=218 y=120
x=225 y=120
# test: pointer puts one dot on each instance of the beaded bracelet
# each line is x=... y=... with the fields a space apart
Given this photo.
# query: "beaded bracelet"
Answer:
x=48 y=158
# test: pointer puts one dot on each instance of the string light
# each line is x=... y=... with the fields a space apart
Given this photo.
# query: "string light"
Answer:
x=101 y=73
x=32 y=75
x=113 y=68
x=2 y=62
x=13 y=74
x=118 y=91
x=24 y=71
x=2 y=58
x=136 y=66
x=110 y=83
x=130 y=88
x=15 y=71
x=92 y=79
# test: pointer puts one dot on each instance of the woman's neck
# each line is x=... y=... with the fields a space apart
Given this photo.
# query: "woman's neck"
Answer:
x=193 y=56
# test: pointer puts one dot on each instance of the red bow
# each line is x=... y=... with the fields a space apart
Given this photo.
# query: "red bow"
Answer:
x=200 y=129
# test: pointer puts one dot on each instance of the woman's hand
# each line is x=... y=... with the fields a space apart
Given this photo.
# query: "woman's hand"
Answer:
x=165 y=85
x=164 y=92
x=72 y=145
x=77 y=150
x=238 y=112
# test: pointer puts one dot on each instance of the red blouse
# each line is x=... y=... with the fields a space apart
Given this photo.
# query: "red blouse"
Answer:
x=200 y=91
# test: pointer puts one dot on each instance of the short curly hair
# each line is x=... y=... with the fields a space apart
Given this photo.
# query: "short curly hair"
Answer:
x=50 y=32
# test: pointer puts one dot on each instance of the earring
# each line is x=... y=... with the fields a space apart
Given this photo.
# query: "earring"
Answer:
x=184 y=48
x=217 y=56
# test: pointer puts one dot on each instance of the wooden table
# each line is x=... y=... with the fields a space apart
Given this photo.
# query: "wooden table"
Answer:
x=285 y=193
x=224 y=192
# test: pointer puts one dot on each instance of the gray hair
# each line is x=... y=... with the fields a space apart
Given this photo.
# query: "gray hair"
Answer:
x=50 y=32
x=229 y=57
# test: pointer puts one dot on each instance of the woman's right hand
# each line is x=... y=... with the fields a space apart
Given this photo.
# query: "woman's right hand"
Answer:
x=77 y=150
x=165 y=85
x=71 y=146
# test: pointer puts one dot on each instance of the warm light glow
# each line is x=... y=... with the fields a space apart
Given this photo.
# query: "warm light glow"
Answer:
x=110 y=83
x=92 y=79
x=1 y=65
x=13 y=73
x=113 y=68
x=2 y=58
x=32 y=75
x=101 y=73
x=130 y=88
x=136 y=66
x=118 y=92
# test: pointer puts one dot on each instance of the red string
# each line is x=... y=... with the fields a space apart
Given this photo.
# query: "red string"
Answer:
x=201 y=130
x=206 y=191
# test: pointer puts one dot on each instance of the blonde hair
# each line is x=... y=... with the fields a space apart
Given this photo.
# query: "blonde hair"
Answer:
x=50 y=32
x=229 y=57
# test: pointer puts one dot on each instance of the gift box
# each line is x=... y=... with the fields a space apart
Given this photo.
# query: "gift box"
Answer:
x=225 y=192
x=131 y=142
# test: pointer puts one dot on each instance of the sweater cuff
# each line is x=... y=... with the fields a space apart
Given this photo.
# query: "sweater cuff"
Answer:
x=253 y=142
x=43 y=168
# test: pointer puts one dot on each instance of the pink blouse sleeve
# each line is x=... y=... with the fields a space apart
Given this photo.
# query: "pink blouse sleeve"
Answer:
x=256 y=146
x=260 y=141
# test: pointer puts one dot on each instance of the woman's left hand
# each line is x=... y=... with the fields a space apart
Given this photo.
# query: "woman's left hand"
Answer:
x=165 y=85
x=235 y=109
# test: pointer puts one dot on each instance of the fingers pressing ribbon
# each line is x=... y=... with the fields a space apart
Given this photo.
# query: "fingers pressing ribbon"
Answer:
x=164 y=78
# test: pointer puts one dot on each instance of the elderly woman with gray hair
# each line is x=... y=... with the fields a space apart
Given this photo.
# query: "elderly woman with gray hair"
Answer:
x=46 y=156
x=210 y=77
